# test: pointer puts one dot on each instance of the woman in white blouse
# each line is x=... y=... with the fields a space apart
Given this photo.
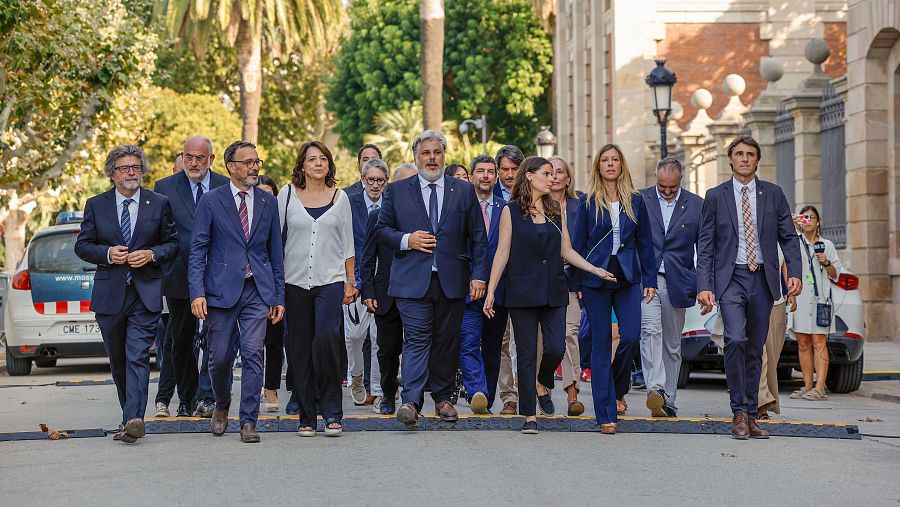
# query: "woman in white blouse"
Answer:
x=820 y=264
x=317 y=231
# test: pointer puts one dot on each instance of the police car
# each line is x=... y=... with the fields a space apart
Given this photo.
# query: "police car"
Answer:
x=47 y=313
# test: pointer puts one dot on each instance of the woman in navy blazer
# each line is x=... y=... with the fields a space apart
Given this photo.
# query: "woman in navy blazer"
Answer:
x=612 y=230
x=533 y=225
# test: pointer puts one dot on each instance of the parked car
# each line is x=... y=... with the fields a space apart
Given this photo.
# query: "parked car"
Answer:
x=845 y=345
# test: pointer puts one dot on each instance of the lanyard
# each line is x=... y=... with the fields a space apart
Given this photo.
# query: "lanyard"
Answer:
x=812 y=269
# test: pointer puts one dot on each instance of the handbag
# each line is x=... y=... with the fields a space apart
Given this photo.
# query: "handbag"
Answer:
x=824 y=311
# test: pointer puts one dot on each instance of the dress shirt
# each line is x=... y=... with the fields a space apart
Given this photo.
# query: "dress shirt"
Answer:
x=667 y=208
x=742 y=243
x=490 y=206
x=426 y=196
x=316 y=249
x=616 y=218
x=204 y=183
x=507 y=194
x=248 y=200
x=132 y=212
x=370 y=202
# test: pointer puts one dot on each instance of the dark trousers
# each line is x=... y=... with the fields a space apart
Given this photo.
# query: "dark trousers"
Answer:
x=471 y=359
x=746 y=306
x=491 y=348
x=552 y=322
x=249 y=316
x=166 y=388
x=182 y=330
x=610 y=380
x=390 y=346
x=274 y=354
x=431 y=349
x=127 y=337
x=201 y=352
x=318 y=355
x=584 y=341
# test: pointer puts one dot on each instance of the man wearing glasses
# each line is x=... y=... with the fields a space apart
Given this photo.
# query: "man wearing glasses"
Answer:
x=184 y=189
x=128 y=232
x=236 y=282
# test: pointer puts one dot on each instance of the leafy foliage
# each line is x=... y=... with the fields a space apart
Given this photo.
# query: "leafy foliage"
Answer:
x=497 y=61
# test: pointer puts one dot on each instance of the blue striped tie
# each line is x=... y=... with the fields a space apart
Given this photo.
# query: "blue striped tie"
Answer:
x=125 y=225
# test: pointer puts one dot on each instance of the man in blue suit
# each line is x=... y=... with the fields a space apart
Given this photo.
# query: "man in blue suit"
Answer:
x=675 y=223
x=128 y=232
x=435 y=225
x=744 y=221
x=236 y=278
x=184 y=190
x=479 y=359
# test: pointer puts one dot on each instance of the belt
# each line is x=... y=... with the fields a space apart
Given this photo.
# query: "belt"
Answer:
x=744 y=266
x=661 y=273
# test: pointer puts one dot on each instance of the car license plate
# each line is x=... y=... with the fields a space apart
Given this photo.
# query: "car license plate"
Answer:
x=79 y=329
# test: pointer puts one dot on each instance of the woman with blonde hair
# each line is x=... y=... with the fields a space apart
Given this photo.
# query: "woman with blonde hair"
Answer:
x=612 y=230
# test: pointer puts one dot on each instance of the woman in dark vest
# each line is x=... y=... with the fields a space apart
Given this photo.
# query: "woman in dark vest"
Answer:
x=531 y=225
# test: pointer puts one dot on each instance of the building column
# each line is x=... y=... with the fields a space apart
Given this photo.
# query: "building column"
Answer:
x=760 y=118
x=727 y=125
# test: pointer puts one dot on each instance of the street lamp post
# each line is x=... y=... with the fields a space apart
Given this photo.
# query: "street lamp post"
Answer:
x=661 y=80
x=545 y=142
x=479 y=123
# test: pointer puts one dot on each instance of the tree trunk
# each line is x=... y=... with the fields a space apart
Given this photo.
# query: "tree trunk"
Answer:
x=431 y=36
x=249 y=59
x=14 y=231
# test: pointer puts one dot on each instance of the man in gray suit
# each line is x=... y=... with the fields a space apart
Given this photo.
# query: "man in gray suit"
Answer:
x=744 y=221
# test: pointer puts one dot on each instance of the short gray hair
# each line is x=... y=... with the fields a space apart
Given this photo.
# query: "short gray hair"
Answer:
x=401 y=167
x=670 y=164
x=123 y=151
x=429 y=134
x=483 y=158
x=513 y=153
x=204 y=138
x=376 y=163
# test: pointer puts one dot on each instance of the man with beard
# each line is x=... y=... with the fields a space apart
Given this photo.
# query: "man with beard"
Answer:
x=236 y=280
x=128 y=232
x=184 y=189
x=436 y=225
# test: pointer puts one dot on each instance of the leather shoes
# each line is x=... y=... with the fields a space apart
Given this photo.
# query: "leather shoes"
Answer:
x=249 y=435
x=205 y=408
x=131 y=431
x=446 y=411
x=185 y=409
x=219 y=422
x=408 y=414
x=756 y=431
x=576 y=408
x=388 y=406
x=479 y=403
x=740 y=426
x=510 y=408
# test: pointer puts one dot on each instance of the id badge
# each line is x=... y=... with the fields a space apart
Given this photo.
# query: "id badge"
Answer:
x=809 y=279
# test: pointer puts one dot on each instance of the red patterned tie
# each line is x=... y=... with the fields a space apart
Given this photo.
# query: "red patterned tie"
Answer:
x=749 y=231
x=245 y=223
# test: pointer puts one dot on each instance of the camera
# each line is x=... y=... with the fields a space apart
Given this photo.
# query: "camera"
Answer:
x=819 y=247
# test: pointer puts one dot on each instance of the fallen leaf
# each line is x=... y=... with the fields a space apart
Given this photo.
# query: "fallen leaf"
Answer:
x=870 y=419
x=44 y=428
x=726 y=455
x=58 y=435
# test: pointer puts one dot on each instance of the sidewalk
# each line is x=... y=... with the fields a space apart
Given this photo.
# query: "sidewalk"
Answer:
x=881 y=356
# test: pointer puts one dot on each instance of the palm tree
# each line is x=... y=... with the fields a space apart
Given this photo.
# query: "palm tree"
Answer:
x=431 y=38
x=284 y=25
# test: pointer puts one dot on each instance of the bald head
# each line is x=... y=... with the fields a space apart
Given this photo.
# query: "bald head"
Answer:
x=404 y=171
x=198 y=157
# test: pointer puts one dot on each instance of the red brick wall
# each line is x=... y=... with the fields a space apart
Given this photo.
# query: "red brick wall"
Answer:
x=703 y=54
x=836 y=36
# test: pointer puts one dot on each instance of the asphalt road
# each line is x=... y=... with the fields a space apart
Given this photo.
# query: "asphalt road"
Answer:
x=441 y=468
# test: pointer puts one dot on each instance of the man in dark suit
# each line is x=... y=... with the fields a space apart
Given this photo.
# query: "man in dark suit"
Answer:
x=365 y=153
x=128 y=232
x=744 y=221
x=375 y=275
x=184 y=190
x=675 y=223
x=236 y=278
x=436 y=224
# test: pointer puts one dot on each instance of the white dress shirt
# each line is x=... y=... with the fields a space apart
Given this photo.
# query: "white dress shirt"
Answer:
x=248 y=200
x=132 y=211
x=507 y=194
x=615 y=216
x=370 y=202
x=204 y=182
x=489 y=209
x=426 y=197
x=667 y=208
x=315 y=250
x=742 y=243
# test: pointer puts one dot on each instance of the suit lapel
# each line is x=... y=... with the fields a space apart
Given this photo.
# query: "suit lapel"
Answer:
x=143 y=212
x=654 y=208
x=415 y=192
x=260 y=201
x=497 y=210
x=728 y=189
x=449 y=191
x=761 y=198
x=227 y=201
x=184 y=191
x=680 y=207
x=115 y=216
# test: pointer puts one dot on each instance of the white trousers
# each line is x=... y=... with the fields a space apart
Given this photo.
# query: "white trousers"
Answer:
x=359 y=323
x=661 y=327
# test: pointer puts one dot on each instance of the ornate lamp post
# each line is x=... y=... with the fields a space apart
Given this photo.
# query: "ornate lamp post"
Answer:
x=479 y=123
x=661 y=80
x=545 y=142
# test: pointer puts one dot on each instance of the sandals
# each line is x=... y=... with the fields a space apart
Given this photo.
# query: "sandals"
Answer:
x=799 y=393
x=608 y=428
x=306 y=431
x=815 y=395
x=621 y=406
x=333 y=428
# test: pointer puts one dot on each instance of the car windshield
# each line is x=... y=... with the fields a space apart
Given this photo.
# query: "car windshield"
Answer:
x=56 y=254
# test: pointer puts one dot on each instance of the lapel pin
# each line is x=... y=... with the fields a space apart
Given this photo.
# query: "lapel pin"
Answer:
x=146 y=202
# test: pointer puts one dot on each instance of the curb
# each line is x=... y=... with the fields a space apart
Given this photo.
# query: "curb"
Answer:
x=866 y=391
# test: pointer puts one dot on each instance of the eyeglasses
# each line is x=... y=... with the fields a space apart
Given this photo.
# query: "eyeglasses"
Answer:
x=125 y=169
x=188 y=158
x=249 y=163
x=374 y=181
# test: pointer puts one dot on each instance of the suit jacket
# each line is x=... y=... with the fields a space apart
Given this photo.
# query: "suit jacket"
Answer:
x=460 y=231
x=571 y=211
x=354 y=188
x=177 y=188
x=360 y=214
x=636 y=254
x=375 y=268
x=219 y=253
x=717 y=244
x=498 y=190
x=677 y=245
x=493 y=235
x=154 y=230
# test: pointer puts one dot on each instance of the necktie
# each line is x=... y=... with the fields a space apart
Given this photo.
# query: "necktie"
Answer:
x=374 y=206
x=199 y=193
x=433 y=207
x=749 y=231
x=484 y=215
x=125 y=225
x=245 y=222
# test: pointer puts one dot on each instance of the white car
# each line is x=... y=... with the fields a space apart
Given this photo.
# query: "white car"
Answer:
x=845 y=345
x=47 y=312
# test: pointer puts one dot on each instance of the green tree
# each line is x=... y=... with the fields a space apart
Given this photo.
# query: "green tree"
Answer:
x=497 y=61
x=248 y=25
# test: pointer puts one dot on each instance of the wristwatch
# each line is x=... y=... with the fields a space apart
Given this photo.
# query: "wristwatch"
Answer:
x=152 y=256
x=829 y=264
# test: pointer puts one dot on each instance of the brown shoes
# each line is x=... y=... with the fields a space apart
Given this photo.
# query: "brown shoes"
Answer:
x=446 y=411
x=510 y=408
x=740 y=426
x=219 y=422
x=249 y=435
x=608 y=428
x=756 y=431
x=576 y=408
x=130 y=432
x=408 y=414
